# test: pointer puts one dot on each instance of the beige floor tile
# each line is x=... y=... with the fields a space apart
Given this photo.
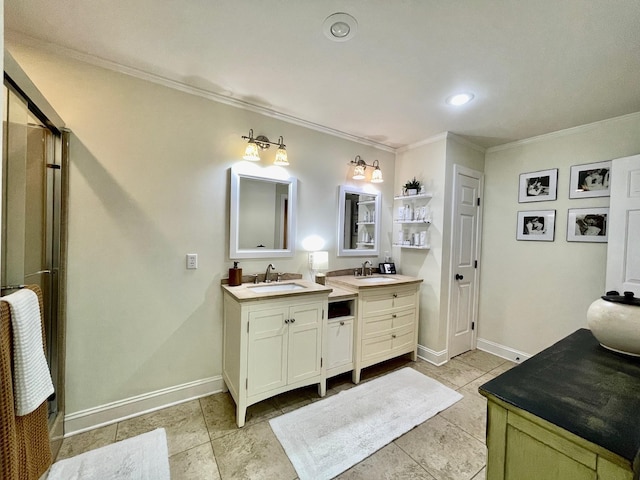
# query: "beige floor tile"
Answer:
x=503 y=368
x=444 y=450
x=481 y=360
x=184 y=425
x=471 y=388
x=83 y=442
x=252 y=452
x=470 y=414
x=458 y=372
x=389 y=463
x=219 y=414
x=433 y=373
x=197 y=463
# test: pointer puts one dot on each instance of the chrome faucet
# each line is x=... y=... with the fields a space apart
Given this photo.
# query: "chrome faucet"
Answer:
x=266 y=274
x=364 y=266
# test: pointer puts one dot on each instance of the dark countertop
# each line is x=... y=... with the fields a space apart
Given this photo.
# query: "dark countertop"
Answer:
x=581 y=387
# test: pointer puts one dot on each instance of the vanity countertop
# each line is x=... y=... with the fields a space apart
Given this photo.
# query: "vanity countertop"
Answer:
x=341 y=294
x=246 y=291
x=352 y=282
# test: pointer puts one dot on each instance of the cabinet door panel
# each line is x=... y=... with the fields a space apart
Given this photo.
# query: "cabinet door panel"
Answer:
x=404 y=318
x=305 y=342
x=339 y=343
x=529 y=459
x=267 y=352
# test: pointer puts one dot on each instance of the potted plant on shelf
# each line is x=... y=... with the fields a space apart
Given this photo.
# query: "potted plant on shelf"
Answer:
x=412 y=187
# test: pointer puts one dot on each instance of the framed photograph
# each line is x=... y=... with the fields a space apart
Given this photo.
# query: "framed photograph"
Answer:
x=588 y=225
x=590 y=180
x=538 y=186
x=387 y=268
x=536 y=225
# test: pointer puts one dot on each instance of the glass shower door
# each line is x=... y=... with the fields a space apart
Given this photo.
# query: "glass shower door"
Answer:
x=29 y=229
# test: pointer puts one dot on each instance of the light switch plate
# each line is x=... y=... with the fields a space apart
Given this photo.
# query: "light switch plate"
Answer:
x=192 y=261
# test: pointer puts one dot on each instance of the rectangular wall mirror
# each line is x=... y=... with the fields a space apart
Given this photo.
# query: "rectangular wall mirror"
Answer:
x=262 y=218
x=358 y=222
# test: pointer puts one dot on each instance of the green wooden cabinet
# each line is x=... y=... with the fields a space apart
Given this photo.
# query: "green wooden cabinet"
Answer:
x=522 y=446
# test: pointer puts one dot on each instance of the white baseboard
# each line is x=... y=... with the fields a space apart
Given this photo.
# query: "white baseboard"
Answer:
x=102 y=415
x=431 y=356
x=501 y=350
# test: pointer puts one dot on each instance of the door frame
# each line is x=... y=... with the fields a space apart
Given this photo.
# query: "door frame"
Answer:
x=460 y=169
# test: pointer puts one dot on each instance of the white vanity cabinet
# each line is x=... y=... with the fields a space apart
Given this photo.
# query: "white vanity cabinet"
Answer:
x=411 y=220
x=272 y=346
x=340 y=336
x=388 y=325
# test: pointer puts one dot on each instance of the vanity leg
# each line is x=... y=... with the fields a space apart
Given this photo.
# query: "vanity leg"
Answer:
x=355 y=376
x=225 y=389
x=322 y=388
x=414 y=355
x=241 y=413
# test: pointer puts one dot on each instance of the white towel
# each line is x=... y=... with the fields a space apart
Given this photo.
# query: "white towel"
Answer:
x=32 y=383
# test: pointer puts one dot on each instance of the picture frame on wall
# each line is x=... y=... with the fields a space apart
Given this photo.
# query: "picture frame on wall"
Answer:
x=588 y=225
x=538 y=186
x=536 y=225
x=590 y=180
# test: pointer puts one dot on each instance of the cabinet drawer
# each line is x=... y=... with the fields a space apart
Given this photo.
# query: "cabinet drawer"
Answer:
x=383 y=345
x=388 y=301
x=385 y=323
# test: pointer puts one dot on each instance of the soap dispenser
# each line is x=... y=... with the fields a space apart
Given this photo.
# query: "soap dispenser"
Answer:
x=235 y=275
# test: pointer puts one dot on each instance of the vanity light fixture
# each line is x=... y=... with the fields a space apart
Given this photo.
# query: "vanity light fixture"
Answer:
x=360 y=167
x=261 y=142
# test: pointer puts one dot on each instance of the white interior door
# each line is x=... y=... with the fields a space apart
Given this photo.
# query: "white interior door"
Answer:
x=463 y=305
x=623 y=250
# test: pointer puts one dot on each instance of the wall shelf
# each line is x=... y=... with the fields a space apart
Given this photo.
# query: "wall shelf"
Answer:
x=417 y=196
x=414 y=247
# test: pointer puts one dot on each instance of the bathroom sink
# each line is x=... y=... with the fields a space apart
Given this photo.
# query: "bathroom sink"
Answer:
x=278 y=287
x=376 y=280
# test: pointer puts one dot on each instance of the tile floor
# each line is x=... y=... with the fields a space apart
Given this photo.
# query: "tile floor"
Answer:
x=204 y=442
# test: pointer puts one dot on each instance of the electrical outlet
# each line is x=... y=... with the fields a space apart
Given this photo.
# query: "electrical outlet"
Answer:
x=192 y=261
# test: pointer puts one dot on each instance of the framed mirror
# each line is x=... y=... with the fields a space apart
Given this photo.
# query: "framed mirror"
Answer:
x=262 y=213
x=358 y=222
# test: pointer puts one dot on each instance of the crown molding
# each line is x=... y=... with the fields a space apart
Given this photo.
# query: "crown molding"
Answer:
x=561 y=133
x=19 y=38
x=436 y=138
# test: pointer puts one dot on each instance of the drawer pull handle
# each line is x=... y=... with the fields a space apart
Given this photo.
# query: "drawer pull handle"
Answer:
x=286 y=320
x=394 y=315
x=395 y=295
x=393 y=336
x=293 y=320
x=341 y=322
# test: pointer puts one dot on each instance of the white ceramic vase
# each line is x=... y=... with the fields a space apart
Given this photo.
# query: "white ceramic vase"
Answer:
x=616 y=324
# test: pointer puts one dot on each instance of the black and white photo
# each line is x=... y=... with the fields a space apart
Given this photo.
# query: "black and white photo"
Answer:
x=536 y=225
x=588 y=225
x=590 y=180
x=538 y=186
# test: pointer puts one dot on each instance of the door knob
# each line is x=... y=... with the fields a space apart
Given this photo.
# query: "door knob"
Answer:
x=459 y=277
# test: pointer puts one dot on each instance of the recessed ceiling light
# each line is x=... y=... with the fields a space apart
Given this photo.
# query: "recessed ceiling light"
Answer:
x=340 y=27
x=459 y=99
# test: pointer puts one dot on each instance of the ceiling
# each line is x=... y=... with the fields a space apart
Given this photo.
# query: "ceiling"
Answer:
x=534 y=66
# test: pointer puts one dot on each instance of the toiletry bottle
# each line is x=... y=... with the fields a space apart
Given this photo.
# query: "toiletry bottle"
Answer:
x=235 y=275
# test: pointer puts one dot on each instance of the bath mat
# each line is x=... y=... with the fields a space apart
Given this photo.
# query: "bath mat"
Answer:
x=327 y=437
x=144 y=457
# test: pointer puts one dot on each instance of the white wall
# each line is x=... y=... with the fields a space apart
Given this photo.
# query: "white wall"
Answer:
x=535 y=293
x=149 y=181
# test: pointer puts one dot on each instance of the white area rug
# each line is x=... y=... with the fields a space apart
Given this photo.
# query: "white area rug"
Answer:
x=327 y=437
x=144 y=457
